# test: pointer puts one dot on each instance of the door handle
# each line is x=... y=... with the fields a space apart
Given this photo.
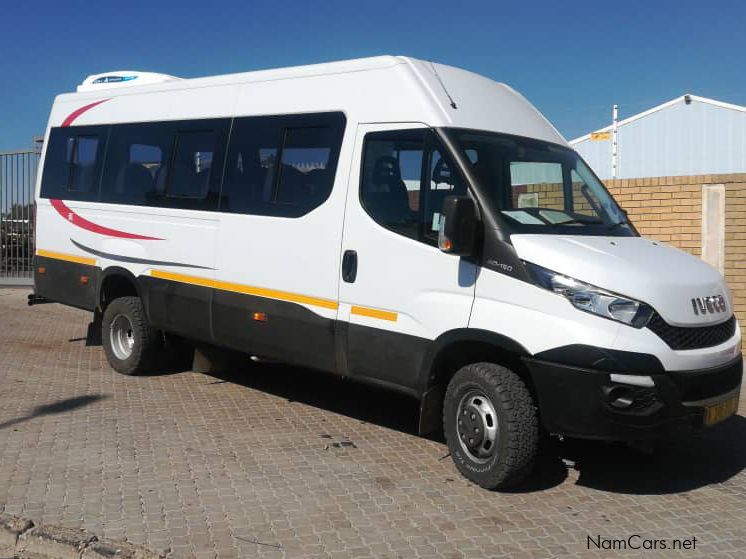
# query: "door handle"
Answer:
x=349 y=266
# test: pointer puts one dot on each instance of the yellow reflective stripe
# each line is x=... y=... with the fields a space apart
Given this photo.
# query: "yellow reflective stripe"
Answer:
x=194 y=280
x=273 y=294
x=247 y=289
x=66 y=257
x=374 y=313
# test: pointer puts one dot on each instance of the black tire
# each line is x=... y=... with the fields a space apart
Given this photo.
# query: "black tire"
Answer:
x=510 y=458
x=145 y=341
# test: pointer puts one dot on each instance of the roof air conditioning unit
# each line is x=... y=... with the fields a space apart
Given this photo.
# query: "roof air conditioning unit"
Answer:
x=123 y=78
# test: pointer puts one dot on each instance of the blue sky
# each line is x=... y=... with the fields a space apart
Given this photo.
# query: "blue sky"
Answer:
x=572 y=59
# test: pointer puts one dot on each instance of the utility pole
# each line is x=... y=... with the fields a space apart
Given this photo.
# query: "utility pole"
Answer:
x=614 y=123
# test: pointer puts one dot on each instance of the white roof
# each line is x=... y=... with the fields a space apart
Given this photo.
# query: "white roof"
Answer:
x=660 y=107
x=377 y=89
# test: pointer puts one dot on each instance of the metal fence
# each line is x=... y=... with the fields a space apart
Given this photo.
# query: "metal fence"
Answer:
x=17 y=180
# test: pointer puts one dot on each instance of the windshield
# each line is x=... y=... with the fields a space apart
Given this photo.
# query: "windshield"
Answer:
x=538 y=187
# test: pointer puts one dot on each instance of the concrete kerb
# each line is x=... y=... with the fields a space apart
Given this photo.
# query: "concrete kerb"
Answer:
x=25 y=539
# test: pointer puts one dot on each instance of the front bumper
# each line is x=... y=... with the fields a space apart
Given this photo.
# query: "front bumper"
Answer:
x=579 y=402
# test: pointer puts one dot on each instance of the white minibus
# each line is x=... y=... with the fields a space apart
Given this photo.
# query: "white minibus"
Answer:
x=389 y=220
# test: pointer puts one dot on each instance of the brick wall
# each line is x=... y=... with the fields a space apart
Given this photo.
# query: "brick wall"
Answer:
x=551 y=195
x=670 y=209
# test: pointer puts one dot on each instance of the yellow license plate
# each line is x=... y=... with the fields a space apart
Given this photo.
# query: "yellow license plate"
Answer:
x=718 y=412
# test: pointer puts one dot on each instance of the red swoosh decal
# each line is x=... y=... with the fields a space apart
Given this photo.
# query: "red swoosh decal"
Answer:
x=83 y=223
x=77 y=112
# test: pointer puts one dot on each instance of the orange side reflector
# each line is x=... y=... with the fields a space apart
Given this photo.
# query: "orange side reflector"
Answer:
x=84 y=279
x=42 y=270
x=259 y=317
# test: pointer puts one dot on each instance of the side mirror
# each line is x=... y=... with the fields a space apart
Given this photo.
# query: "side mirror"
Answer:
x=457 y=230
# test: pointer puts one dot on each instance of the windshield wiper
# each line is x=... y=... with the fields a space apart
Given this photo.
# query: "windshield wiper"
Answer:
x=613 y=226
x=590 y=221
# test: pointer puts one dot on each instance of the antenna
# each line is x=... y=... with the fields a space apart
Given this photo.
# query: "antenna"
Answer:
x=453 y=103
x=614 y=139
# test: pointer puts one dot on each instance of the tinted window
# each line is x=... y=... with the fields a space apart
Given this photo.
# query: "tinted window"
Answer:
x=167 y=164
x=282 y=166
x=136 y=161
x=150 y=157
x=192 y=165
x=405 y=181
x=82 y=163
x=251 y=166
x=72 y=165
x=304 y=180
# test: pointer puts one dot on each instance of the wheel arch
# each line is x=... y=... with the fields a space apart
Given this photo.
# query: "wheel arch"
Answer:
x=451 y=351
x=116 y=282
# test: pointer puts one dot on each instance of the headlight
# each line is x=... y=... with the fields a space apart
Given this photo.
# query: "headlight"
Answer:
x=592 y=299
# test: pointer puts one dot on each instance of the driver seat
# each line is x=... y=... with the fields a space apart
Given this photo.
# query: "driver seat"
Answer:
x=388 y=195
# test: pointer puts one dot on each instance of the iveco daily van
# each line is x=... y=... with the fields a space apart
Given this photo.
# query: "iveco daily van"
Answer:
x=390 y=220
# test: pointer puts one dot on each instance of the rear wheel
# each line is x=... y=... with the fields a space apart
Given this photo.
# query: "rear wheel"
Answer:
x=130 y=343
x=490 y=424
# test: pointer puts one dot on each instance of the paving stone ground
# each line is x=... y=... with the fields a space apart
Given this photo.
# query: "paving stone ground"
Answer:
x=272 y=461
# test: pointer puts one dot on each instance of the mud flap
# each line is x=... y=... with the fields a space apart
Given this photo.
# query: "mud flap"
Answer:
x=431 y=410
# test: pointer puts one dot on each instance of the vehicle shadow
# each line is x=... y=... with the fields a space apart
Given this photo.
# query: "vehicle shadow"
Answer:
x=61 y=406
x=366 y=403
x=712 y=457
x=709 y=458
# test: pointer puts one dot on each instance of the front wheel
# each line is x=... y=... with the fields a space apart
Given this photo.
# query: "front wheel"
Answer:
x=490 y=424
x=130 y=343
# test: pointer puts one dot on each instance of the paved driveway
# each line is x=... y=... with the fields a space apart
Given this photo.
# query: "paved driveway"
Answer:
x=271 y=461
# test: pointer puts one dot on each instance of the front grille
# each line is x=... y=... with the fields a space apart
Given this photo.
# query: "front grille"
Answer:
x=692 y=337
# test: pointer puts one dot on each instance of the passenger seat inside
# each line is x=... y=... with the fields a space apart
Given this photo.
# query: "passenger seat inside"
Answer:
x=386 y=194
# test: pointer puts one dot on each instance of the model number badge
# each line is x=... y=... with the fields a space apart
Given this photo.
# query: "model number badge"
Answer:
x=708 y=305
x=495 y=264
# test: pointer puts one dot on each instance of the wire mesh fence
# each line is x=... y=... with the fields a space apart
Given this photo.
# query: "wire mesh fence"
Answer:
x=17 y=179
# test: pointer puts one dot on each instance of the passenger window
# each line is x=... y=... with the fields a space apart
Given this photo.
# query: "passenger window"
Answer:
x=251 y=167
x=72 y=164
x=189 y=176
x=82 y=163
x=282 y=166
x=304 y=180
x=134 y=172
x=150 y=157
x=392 y=183
x=165 y=164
